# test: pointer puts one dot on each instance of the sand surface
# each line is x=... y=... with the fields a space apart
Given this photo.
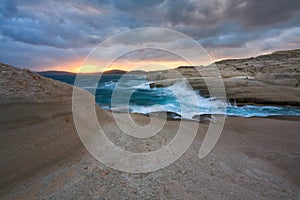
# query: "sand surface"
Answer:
x=42 y=158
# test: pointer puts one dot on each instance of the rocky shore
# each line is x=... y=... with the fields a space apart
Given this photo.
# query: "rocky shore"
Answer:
x=42 y=156
x=271 y=79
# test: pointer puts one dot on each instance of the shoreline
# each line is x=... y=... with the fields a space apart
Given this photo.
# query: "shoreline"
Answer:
x=42 y=156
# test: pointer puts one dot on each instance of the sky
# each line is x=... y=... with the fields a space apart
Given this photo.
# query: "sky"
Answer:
x=58 y=35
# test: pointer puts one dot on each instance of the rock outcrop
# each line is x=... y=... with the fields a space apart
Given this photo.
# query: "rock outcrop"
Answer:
x=25 y=86
x=271 y=79
x=36 y=123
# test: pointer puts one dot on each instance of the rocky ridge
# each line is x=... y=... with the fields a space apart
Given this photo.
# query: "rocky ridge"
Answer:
x=271 y=79
x=24 y=86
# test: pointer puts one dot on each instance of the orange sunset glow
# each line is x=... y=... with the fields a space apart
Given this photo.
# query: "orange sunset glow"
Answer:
x=80 y=66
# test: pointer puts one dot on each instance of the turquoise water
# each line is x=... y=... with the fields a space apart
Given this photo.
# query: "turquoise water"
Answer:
x=144 y=99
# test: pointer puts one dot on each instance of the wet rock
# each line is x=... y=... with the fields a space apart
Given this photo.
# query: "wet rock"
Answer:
x=204 y=117
x=167 y=115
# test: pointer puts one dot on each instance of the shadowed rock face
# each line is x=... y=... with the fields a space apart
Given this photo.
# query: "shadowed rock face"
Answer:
x=271 y=79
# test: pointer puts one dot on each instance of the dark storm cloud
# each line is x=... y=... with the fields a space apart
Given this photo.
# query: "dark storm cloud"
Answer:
x=49 y=29
x=231 y=22
x=249 y=13
x=8 y=8
x=62 y=25
x=262 y=12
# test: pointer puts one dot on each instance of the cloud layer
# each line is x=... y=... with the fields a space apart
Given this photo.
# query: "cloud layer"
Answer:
x=43 y=34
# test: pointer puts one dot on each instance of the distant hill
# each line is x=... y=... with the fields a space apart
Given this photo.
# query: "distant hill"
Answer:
x=56 y=73
x=115 y=71
x=53 y=72
x=109 y=72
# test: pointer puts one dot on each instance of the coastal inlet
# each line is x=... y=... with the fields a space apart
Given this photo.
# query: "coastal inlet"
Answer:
x=146 y=100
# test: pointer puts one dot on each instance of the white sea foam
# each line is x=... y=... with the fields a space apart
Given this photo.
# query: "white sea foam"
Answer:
x=192 y=103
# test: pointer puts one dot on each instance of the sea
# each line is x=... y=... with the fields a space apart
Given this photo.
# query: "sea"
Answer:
x=144 y=99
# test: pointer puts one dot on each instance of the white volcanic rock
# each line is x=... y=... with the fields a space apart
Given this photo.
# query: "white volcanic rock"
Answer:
x=267 y=79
